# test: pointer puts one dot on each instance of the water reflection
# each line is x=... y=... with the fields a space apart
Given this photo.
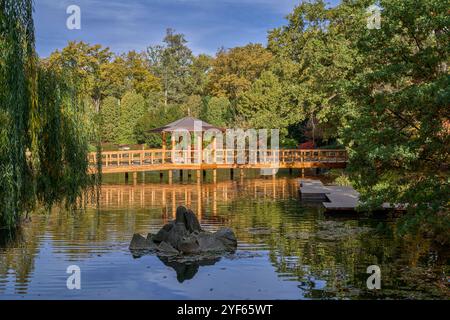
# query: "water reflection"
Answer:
x=186 y=270
x=286 y=249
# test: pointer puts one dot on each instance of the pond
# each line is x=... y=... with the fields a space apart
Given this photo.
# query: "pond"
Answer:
x=287 y=249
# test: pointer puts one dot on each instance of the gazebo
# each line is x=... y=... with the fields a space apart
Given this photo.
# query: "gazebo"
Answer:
x=190 y=124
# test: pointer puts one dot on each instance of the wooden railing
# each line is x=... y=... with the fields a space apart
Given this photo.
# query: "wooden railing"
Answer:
x=160 y=159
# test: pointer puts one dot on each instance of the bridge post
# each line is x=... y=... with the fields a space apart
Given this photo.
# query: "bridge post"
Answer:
x=214 y=176
x=134 y=178
x=189 y=174
x=241 y=173
x=199 y=177
x=170 y=176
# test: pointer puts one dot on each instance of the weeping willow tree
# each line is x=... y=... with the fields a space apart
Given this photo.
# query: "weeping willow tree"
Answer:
x=44 y=133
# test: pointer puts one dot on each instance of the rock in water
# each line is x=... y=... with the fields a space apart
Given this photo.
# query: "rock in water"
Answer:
x=167 y=249
x=191 y=222
x=189 y=245
x=184 y=235
x=176 y=234
x=227 y=237
x=163 y=233
x=179 y=217
x=138 y=242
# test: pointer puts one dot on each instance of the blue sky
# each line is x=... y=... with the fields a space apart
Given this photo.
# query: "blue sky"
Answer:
x=125 y=25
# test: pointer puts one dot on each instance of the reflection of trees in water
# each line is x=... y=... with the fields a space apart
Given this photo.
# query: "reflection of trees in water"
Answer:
x=342 y=262
x=17 y=253
x=264 y=213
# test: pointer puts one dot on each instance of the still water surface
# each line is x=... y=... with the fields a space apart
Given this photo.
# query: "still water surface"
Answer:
x=287 y=249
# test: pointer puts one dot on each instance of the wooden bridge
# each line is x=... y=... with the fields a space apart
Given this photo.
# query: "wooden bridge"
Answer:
x=169 y=160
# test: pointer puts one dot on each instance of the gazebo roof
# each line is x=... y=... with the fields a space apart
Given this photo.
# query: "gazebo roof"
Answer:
x=187 y=123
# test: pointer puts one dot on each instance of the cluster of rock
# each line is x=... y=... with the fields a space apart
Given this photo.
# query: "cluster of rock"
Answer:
x=183 y=236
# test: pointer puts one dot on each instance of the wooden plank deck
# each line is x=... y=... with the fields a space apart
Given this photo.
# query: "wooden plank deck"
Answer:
x=333 y=197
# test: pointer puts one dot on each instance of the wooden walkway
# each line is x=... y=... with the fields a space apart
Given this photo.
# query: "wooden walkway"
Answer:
x=163 y=159
x=337 y=198
x=333 y=197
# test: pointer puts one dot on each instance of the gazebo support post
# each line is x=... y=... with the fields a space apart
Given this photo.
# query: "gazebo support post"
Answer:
x=172 y=142
x=163 y=146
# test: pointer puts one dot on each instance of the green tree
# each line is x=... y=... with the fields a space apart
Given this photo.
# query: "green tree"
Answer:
x=192 y=106
x=266 y=105
x=132 y=108
x=199 y=75
x=43 y=130
x=398 y=137
x=127 y=72
x=110 y=119
x=217 y=111
x=382 y=92
x=84 y=61
x=171 y=63
x=234 y=70
x=315 y=56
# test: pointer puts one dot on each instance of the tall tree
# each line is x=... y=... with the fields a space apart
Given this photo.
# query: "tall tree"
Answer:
x=85 y=63
x=110 y=119
x=127 y=72
x=132 y=108
x=18 y=99
x=199 y=75
x=266 y=105
x=171 y=63
x=217 y=111
x=398 y=137
x=315 y=56
x=235 y=69
x=43 y=130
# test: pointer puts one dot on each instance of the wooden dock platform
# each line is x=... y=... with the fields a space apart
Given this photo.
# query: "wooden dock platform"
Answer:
x=333 y=198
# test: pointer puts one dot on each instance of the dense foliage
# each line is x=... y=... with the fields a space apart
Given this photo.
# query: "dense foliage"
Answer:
x=43 y=127
x=384 y=93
